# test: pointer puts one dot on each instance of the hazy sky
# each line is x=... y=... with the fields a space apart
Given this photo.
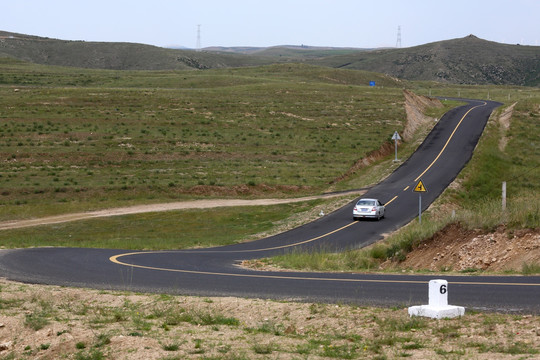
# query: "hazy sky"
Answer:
x=341 y=23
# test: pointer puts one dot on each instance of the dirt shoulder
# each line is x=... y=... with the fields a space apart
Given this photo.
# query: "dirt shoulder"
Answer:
x=51 y=322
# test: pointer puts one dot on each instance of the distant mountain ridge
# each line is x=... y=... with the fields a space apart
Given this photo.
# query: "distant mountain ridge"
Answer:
x=467 y=60
x=113 y=55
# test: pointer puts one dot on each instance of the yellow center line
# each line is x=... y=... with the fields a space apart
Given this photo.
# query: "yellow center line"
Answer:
x=389 y=202
x=448 y=141
x=298 y=243
x=115 y=260
x=407 y=188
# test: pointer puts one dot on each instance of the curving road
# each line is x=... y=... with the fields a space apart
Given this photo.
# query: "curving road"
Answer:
x=214 y=272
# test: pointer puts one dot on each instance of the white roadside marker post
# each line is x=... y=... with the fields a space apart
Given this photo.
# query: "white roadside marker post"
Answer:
x=438 y=307
x=396 y=137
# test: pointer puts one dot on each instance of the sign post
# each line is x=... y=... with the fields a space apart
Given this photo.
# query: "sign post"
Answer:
x=396 y=137
x=420 y=188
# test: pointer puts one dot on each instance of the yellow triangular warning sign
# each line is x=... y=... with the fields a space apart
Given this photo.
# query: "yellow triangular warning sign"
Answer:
x=420 y=187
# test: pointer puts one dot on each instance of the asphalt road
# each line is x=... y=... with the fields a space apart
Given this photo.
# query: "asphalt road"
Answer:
x=214 y=272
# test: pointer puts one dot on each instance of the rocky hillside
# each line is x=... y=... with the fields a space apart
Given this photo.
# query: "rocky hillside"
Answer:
x=468 y=60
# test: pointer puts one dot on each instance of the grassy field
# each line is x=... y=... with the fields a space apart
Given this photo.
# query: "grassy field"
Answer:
x=104 y=138
x=163 y=230
x=77 y=140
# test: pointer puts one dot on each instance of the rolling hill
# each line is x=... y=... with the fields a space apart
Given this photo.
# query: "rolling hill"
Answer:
x=114 y=56
x=467 y=60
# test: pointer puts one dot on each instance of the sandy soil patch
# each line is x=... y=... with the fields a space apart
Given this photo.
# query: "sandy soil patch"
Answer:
x=51 y=322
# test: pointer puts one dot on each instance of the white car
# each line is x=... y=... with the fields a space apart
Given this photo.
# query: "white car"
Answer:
x=368 y=208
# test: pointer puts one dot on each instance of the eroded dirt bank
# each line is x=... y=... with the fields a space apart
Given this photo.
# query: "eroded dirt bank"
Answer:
x=458 y=249
x=415 y=108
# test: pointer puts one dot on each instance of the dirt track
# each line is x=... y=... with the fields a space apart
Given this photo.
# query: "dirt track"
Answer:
x=180 y=205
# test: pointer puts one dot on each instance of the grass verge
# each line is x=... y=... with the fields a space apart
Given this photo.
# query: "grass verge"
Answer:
x=165 y=230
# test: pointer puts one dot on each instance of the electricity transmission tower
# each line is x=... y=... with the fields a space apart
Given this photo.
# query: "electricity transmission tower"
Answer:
x=198 y=48
x=398 y=41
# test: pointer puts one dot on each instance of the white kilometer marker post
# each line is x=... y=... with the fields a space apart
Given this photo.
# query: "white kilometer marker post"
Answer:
x=438 y=307
x=396 y=137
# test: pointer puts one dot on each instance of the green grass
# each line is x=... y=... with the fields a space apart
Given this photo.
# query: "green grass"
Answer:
x=530 y=269
x=94 y=354
x=518 y=164
x=41 y=315
x=161 y=230
x=170 y=347
x=36 y=321
x=78 y=140
x=268 y=327
x=137 y=137
x=7 y=304
x=263 y=348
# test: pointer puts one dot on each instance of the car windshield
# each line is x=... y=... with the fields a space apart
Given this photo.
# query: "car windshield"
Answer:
x=366 y=203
